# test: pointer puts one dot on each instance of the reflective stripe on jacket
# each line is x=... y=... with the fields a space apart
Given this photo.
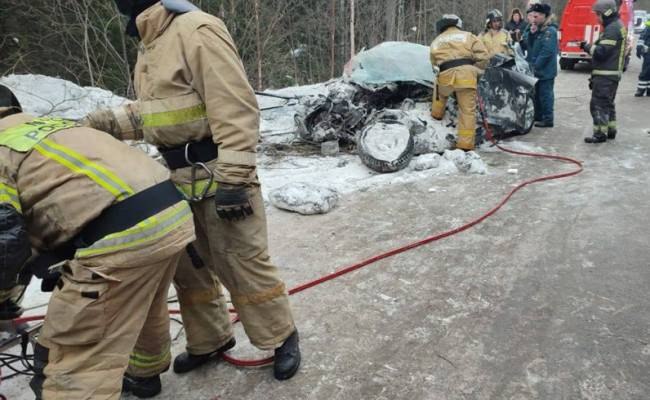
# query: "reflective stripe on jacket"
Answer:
x=608 y=53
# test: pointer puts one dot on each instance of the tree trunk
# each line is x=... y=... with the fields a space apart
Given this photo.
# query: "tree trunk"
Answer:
x=332 y=38
x=258 y=42
x=352 y=27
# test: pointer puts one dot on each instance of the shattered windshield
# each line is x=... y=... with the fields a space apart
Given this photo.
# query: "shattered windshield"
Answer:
x=391 y=62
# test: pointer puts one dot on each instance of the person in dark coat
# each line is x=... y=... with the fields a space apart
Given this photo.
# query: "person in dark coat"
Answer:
x=517 y=25
x=540 y=41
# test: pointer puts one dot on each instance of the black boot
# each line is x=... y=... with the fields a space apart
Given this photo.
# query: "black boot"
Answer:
x=287 y=358
x=640 y=92
x=185 y=362
x=41 y=358
x=611 y=134
x=544 y=124
x=142 y=387
x=598 y=137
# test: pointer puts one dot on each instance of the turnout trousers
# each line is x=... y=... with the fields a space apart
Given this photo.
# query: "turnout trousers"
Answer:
x=466 y=112
x=235 y=254
x=602 y=107
x=108 y=316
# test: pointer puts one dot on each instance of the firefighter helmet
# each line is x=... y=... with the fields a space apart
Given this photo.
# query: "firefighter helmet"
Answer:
x=606 y=8
x=447 y=21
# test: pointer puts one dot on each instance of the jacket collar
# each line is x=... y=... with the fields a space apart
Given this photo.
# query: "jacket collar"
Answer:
x=153 y=22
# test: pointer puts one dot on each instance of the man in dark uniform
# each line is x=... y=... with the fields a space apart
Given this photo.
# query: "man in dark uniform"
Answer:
x=608 y=59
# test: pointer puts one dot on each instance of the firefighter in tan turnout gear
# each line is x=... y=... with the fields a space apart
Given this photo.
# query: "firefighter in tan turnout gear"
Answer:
x=106 y=240
x=496 y=39
x=196 y=106
x=460 y=57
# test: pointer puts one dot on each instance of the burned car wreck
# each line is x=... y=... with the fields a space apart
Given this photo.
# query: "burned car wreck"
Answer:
x=381 y=105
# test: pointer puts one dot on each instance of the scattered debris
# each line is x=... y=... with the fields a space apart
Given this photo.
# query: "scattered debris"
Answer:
x=426 y=161
x=304 y=198
x=329 y=148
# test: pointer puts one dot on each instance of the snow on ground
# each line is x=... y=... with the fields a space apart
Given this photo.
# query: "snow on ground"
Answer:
x=43 y=95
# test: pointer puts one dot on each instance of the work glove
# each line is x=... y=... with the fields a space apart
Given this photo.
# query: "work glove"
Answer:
x=9 y=310
x=584 y=46
x=641 y=50
x=39 y=266
x=591 y=84
x=232 y=203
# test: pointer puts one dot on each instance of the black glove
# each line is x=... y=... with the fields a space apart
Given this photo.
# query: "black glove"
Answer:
x=585 y=46
x=39 y=266
x=591 y=84
x=640 y=51
x=10 y=310
x=232 y=203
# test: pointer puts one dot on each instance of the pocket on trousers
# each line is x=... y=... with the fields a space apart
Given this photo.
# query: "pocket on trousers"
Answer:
x=76 y=314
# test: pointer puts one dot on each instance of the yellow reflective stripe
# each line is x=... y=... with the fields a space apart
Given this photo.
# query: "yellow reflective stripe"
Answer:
x=81 y=165
x=175 y=117
x=140 y=360
x=199 y=187
x=607 y=42
x=605 y=72
x=612 y=124
x=621 y=56
x=150 y=229
x=9 y=195
x=25 y=136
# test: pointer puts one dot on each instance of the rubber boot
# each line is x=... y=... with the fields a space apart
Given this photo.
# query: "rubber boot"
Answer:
x=185 y=362
x=41 y=358
x=640 y=92
x=287 y=358
x=611 y=134
x=544 y=124
x=598 y=137
x=142 y=387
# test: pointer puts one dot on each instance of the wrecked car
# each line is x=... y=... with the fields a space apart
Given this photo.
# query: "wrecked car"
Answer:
x=382 y=105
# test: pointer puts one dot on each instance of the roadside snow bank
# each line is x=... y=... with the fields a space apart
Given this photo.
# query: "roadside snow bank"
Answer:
x=43 y=95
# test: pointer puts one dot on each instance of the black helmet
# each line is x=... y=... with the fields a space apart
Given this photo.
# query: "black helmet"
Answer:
x=9 y=104
x=133 y=8
x=606 y=8
x=447 y=21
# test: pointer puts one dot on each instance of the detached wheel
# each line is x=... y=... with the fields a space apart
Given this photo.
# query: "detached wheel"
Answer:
x=567 y=63
x=386 y=146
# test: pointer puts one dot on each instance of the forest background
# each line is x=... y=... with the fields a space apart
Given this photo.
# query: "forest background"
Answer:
x=282 y=42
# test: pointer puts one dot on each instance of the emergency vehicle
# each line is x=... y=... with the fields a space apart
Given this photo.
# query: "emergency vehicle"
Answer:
x=579 y=23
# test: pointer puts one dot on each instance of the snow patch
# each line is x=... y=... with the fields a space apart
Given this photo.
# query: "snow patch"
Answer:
x=304 y=198
x=46 y=96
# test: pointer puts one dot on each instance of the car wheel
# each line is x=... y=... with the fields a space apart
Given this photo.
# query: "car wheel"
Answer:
x=386 y=146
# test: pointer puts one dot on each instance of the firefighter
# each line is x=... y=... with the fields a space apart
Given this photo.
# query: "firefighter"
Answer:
x=608 y=59
x=106 y=240
x=496 y=39
x=196 y=105
x=460 y=57
x=541 y=45
x=643 y=52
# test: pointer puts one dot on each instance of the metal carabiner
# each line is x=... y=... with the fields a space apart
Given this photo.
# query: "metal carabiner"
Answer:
x=195 y=165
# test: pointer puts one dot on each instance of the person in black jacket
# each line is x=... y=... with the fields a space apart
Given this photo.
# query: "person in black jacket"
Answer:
x=608 y=59
x=643 y=52
x=517 y=25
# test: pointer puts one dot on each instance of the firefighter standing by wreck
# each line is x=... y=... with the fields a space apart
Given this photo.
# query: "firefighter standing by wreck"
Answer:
x=460 y=56
x=195 y=104
x=608 y=60
x=541 y=45
x=496 y=39
x=69 y=193
x=643 y=52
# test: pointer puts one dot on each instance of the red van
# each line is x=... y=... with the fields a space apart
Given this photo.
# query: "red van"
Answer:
x=580 y=23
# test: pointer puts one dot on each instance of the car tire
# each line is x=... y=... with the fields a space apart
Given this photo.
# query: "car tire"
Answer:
x=567 y=64
x=369 y=157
